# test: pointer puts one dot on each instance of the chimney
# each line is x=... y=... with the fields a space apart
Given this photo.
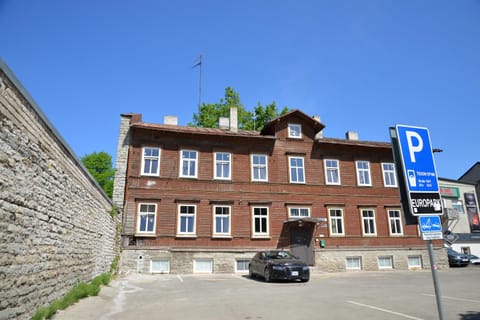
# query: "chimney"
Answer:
x=233 y=119
x=224 y=123
x=173 y=120
x=351 y=135
x=316 y=118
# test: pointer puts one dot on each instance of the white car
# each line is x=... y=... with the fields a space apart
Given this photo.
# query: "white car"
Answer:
x=474 y=259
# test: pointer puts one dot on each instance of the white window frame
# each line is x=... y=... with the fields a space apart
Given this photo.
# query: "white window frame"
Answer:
x=150 y=160
x=243 y=261
x=199 y=261
x=222 y=215
x=261 y=234
x=415 y=266
x=216 y=162
x=367 y=220
x=297 y=169
x=256 y=167
x=363 y=174
x=181 y=215
x=294 y=130
x=141 y=213
x=160 y=260
x=389 y=175
x=395 y=222
x=358 y=266
x=189 y=162
x=335 y=220
x=331 y=170
x=382 y=266
x=291 y=213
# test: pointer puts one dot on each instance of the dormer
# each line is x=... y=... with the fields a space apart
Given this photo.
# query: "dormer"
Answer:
x=294 y=125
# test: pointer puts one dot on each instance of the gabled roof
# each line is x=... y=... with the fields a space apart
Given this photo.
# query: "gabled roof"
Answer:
x=196 y=130
x=270 y=127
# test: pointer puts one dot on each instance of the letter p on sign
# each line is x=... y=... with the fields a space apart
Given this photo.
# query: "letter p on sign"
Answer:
x=413 y=148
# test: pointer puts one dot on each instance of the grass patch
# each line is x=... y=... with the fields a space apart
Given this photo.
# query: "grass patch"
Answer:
x=80 y=291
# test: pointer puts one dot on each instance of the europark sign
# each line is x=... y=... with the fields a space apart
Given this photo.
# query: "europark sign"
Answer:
x=417 y=175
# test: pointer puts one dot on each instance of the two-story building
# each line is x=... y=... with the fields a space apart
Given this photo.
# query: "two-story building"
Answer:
x=205 y=200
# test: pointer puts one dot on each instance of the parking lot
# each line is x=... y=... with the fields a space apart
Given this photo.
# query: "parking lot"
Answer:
x=359 y=295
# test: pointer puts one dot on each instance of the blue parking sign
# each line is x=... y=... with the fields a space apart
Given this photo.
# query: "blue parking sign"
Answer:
x=418 y=162
x=420 y=174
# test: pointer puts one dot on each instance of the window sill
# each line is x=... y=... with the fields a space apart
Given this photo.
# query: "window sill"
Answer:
x=226 y=237
x=145 y=235
x=186 y=236
x=260 y=237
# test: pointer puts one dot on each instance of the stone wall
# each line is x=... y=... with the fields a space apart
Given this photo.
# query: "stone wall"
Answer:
x=334 y=260
x=55 y=224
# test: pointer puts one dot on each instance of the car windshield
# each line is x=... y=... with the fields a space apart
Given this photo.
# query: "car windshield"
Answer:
x=279 y=255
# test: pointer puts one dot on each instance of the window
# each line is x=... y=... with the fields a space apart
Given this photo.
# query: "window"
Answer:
x=298 y=212
x=186 y=217
x=150 y=161
x=368 y=222
x=395 y=222
x=363 y=173
x=260 y=222
x=353 y=263
x=296 y=170
x=259 y=167
x=241 y=265
x=294 y=131
x=160 y=266
x=188 y=167
x=221 y=222
x=146 y=218
x=222 y=165
x=336 y=221
x=203 y=265
x=332 y=171
x=385 y=262
x=414 y=262
x=389 y=177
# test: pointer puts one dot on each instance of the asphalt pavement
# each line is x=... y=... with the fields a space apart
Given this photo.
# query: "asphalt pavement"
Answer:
x=349 y=295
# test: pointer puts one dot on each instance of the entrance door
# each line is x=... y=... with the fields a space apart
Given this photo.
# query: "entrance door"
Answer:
x=301 y=244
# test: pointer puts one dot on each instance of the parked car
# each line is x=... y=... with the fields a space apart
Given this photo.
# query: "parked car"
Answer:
x=474 y=259
x=278 y=265
x=457 y=259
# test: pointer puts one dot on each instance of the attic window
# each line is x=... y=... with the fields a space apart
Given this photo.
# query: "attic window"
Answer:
x=294 y=131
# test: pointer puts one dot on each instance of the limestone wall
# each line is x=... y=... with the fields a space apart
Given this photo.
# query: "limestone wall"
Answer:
x=55 y=224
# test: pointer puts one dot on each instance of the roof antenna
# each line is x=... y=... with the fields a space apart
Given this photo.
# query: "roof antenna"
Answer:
x=198 y=62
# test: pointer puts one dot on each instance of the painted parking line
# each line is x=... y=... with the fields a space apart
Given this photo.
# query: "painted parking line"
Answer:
x=385 y=310
x=452 y=298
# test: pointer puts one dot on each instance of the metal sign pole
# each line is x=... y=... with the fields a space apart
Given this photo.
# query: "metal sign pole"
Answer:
x=436 y=284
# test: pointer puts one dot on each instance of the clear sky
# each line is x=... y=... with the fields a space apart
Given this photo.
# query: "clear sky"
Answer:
x=361 y=65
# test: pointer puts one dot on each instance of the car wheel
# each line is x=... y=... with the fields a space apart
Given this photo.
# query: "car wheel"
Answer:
x=266 y=275
x=251 y=275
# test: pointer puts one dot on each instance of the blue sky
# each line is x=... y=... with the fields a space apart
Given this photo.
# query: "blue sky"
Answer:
x=361 y=65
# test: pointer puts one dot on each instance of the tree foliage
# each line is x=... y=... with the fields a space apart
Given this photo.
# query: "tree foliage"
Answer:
x=100 y=167
x=209 y=113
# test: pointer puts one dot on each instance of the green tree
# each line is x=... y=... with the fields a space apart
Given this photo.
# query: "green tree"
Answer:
x=209 y=113
x=100 y=167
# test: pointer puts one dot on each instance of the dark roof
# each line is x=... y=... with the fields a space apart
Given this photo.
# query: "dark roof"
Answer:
x=196 y=130
x=360 y=143
x=472 y=174
x=269 y=128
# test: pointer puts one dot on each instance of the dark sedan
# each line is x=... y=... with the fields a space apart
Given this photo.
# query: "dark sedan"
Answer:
x=457 y=259
x=278 y=265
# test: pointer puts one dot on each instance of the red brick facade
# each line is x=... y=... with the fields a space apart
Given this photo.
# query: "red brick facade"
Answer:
x=168 y=190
